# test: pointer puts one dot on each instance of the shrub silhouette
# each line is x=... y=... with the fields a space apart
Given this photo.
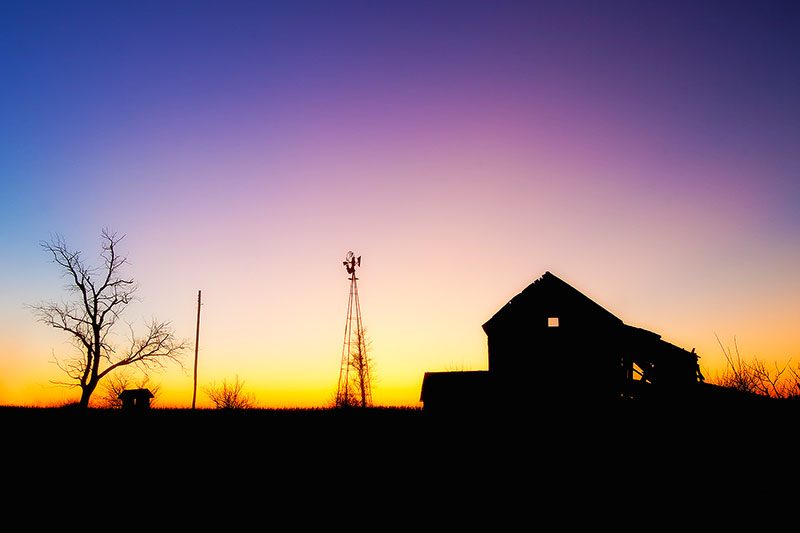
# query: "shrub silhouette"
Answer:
x=756 y=377
x=230 y=395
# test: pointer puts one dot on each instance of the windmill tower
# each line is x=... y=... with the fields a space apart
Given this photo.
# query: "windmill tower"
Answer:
x=355 y=388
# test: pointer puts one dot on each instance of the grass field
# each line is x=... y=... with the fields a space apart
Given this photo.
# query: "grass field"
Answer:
x=405 y=460
x=399 y=428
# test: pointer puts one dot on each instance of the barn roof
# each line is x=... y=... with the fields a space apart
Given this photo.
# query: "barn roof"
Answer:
x=548 y=288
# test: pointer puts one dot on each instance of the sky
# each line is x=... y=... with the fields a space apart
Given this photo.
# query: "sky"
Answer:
x=647 y=153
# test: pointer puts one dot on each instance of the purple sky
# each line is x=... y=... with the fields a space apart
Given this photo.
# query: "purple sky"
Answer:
x=645 y=152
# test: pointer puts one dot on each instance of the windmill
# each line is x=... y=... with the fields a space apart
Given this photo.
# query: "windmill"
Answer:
x=354 y=373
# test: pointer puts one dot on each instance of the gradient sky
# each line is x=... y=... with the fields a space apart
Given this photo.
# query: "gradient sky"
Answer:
x=647 y=153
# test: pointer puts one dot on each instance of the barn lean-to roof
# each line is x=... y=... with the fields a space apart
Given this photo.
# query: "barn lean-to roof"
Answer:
x=460 y=383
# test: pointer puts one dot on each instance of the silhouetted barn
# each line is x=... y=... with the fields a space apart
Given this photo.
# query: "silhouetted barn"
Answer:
x=552 y=343
x=136 y=398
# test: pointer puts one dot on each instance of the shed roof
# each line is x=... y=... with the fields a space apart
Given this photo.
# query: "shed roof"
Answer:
x=136 y=393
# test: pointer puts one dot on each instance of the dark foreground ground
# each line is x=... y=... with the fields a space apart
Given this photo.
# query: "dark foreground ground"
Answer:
x=591 y=463
x=384 y=433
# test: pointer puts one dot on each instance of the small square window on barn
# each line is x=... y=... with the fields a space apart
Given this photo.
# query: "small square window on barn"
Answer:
x=552 y=322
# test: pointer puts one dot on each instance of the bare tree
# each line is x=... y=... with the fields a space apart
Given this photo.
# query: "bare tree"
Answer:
x=361 y=376
x=230 y=396
x=100 y=295
x=364 y=367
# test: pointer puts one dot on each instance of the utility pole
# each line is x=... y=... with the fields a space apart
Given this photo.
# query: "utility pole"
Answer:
x=196 y=346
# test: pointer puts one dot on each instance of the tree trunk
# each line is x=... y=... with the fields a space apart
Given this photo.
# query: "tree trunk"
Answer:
x=86 y=393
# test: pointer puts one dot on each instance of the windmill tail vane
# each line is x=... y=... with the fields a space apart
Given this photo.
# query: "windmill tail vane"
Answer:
x=351 y=262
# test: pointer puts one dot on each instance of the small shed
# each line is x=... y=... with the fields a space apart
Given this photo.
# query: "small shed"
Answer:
x=136 y=398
